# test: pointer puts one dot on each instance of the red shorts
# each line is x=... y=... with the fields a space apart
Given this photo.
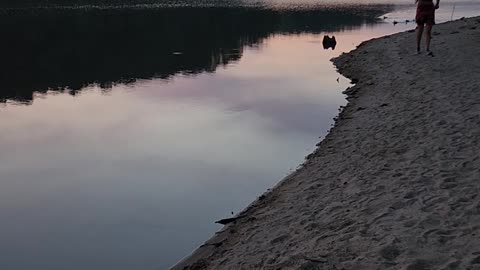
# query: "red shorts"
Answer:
x=425 y=13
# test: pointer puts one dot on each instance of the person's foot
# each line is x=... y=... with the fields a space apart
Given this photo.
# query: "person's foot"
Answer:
x=429 y=53
x=418 y=50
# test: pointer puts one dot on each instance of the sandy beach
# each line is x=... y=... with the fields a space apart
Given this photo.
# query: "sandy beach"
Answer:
x=396 y=182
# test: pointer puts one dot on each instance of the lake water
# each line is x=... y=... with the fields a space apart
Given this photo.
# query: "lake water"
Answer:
x=126 y=132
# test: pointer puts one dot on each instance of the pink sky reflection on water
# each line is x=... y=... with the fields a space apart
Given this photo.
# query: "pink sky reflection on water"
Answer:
x=157 y=160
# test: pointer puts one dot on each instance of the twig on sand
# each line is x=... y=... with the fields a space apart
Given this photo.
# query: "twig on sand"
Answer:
x=229 y=220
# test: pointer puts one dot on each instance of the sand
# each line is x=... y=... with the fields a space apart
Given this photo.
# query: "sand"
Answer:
x=394 y=185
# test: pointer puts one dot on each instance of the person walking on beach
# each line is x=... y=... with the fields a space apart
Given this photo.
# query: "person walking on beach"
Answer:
x=425 y=17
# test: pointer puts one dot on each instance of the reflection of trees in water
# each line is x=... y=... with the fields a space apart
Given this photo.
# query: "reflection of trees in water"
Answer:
x=58 y=49
x=73 y=49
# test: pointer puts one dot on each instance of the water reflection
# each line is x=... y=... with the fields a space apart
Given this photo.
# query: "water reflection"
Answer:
x=67 y=50
x=133 y=179
x=132 y=171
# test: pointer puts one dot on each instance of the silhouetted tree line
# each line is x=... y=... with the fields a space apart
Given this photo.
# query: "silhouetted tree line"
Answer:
x=52 y=49
x=119 y=3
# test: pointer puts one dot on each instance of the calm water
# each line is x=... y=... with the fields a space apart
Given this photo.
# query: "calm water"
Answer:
x=125 y=133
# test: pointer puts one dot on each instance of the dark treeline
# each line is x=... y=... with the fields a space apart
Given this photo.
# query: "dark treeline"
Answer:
x=52 y=49
x=119 y=3
x=56 y=3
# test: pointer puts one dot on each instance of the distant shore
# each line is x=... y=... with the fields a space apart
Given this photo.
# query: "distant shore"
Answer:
x=396 y=182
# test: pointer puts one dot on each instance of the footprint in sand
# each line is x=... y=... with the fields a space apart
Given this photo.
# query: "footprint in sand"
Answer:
x=419 y=265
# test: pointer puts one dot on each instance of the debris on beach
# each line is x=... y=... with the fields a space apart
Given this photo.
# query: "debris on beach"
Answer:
x=229 y=220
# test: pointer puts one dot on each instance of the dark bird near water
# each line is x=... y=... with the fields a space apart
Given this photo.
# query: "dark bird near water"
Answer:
x=329 y=42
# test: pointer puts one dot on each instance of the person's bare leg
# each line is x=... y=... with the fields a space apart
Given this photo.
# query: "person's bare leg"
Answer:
x=428 y=37
x=419 y=36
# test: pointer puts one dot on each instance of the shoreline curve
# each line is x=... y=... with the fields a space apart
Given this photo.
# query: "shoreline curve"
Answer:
x=394 y=184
